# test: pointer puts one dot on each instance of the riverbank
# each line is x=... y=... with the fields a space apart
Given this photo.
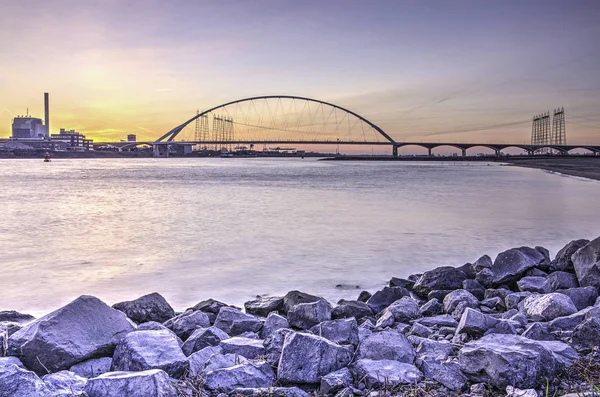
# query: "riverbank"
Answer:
x=580 y=166
x=521 y=325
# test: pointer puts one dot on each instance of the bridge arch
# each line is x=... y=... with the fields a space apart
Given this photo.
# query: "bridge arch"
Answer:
x=170 y=136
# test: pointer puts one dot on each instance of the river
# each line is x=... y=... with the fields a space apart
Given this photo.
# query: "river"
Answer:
x=230 y=229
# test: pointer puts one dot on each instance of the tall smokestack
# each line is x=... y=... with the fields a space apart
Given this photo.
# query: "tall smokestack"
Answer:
x=47 y=113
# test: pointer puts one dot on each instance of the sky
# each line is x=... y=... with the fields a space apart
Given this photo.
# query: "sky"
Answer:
x=436 y=71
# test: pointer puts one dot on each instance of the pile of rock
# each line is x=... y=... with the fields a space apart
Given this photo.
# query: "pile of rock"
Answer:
x=493 y=327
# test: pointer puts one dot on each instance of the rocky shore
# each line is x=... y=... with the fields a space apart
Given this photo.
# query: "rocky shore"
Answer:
x=521 y=325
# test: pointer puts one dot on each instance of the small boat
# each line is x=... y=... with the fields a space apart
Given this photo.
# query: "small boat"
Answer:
x=47 y=157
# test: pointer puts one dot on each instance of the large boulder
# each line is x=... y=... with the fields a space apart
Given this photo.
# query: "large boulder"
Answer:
x=475 y=323
x=335 y=381
x=142 y=350
x=65 y=383
x=582 y=297
x=386 y=345
x=83 y=329
x=17 y=381
x=307 y=315
x=151 y=307
x=385 y=373
x=563 y=261
x=199 y=359
x=210 y=307
x=562 y=280
x=509 y=360
x=346 y=309
x=343 y=331
x=294 y=298
x=442 y=320
x=305 y=358
x=447 y=373
x=234 y=322
x=202 y=338
x=218 y=361
x=273 y=322
x=12 y=316
x=586 y=335
x=247 y=375
x=441 y=278
x=249 y=348
x=385 y=297
x=92 y=367
x=534 y=284
x=548 y=307
x=454 y=298
x=432 y=307
x=403 y=310
x=274 y=344
x=510 y=265
x=587 y=264
x=154 y=382
x=262 y=306
x=185 y=324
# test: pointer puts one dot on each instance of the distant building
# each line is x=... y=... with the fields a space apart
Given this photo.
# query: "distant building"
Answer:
x=27 y=127
x=131 y=138
x=73 y=140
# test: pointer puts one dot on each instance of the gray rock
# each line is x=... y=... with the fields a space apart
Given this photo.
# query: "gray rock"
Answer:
x=593 y=312
x=15 y=317
x=219 y=361
x=186 y=324
x=431 y=308
x=517 y=316
x=453 y=299
x=307 y=315
x=581 y=297
x=443 y=320
x=335 y=381
x=305 y=358
x=199 y=359
x=430 y=350
x=534 y=284
x=586 y=335
x=535 y=272
x=401 y=282
x=586 y=261
x=447 y=373
x=474 y=287
x=83 y=329
x=421 y=330
x=564 y=354
x=234 y=322
x=65 y=383
x=438 y=294
x=512 y=301
x=270 y=392
x=210 y=306
x=6 y=361
x=18 y=382
x=548 y=307
x=92 y=367
x=385 y=320
x=273 y=323
x=152 y=326
x=385 y=297
x=504 y=327
x=496 y=304
x=202 y=338
x=262 y=306
x=151 y=307
x=154 y=382
x=364 y=296
x=538 y=331
x=497 y=292
x=143 y=350
x=347 y=309
x=294 y=298
x=511 y=264
x=390 y=373
x=567 y=323
x=386 y=345
x=342 y=331
x=563 y=257
x=485 y=262
x=274 y=345
x=562 y=280
x=475 y=323
x=441 y=278
x=249 y=348
x=403 y=310
x=508 y=360
x=467 y=269
x=516 y=392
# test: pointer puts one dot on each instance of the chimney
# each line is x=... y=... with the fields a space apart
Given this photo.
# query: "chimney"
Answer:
x=47 y=113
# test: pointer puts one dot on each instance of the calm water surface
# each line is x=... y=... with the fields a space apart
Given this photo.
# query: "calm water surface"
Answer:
x=234 y=228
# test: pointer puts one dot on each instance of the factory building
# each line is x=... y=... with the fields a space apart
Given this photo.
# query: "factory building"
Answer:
x=73 y=140
x=27 y=127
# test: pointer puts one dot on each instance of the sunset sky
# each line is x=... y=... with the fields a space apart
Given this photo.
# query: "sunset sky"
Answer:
x=422 y=70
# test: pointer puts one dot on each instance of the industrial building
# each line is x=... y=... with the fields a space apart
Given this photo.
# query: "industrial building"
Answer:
x=27 y=127
x=73 y=140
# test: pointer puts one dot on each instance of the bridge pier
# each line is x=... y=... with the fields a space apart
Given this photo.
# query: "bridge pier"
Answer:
x=429 y=152
x=464 y=152
x=497 y=153
x=161 y=151
x=395 y=151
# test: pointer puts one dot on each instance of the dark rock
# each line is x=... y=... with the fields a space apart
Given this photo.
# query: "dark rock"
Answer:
x=198 y=360
x=385 y=297
x=534 y=284
x=421 y=330
x=441 y=278
x=581 y=297
x=83 y=329
x=567 y=323
x=496 y=303
x=342 y=331
x=210 y=306
x=509 y=360
x=507 y=327
x=548 y=307
x=264 y=306
x=447 y=373
x=219 y=361
x=438 y=294
x=273 y=323
x=386 y=345
x=467 y=269
x=6 y=361
x=433 y=350
x=415 y=277
x=474 y=287
x=274 y=344
x=18 y=382
x=65 y=383
x=335 y=381
x=431 y=308
x=535 y=272
x=270 y=392
x=15 y=317
x=511 y=264
x=586 y=335
x=401 y=282
x=152 y=326
x=389 y=373
x=593 y=312
x=143 y=350
x=500 y=293
x=306 y=358
x=246 y=347
x=485 y=262
x=186 y=324
x=538 y=331
x=234 y=322
x=563 y=260
x=154 y=382
x=587 y=264
x=512 y=301
x=247 y=375
x=453 y=299
x=443 y=320
x=403 y=310
x=474 y=323
x=151 y=307
x=294 y=298
x=202 y=338
x=307 y=315
x=544 y=265
x=92 y=367
x=364 y=296
x=562 y=280
x=347 y=309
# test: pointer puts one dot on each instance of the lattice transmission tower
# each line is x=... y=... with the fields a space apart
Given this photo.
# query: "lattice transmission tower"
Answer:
x=202 y=130
x=540 y=131
x=559 y=131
